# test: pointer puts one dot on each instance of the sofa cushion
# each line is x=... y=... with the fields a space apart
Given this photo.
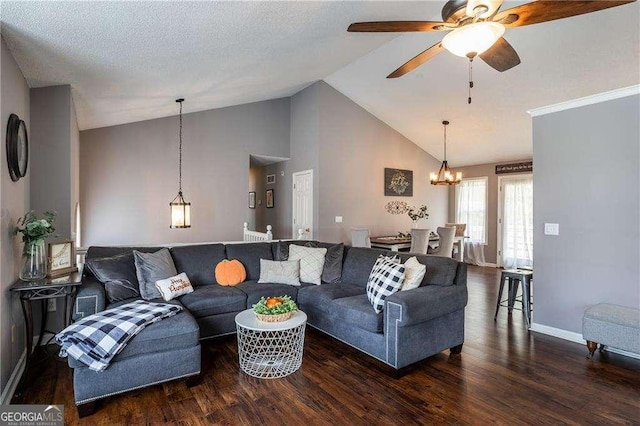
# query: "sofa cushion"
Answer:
x=281 y=272
x=198 y=261
x=357 y=310
x=255 y=291
x=214 y=299
x=117 y=274
x=173 y=287
x=332 y=270
x=311 y=262
x=440 y=270
x=320 y=296
x=385 y=279
x=151 y=267
x=358 y=263
x=250 y=254
x=414 y=272
x=176 y=332
x=98 y=252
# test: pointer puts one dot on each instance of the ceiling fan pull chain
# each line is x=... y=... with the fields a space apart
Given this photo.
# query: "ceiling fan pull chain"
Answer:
x=470 y=78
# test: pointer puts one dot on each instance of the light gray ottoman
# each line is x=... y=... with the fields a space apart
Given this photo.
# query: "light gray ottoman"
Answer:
x=611 y=325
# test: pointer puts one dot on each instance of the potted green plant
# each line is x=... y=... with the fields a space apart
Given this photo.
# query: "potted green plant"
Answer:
x=34 y=231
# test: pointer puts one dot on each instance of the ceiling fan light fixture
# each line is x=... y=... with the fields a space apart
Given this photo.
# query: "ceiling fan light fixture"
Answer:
x=473 y=39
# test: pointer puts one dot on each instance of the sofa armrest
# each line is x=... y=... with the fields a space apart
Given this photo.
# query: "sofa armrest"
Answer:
x=425 y=303
x=90 y=299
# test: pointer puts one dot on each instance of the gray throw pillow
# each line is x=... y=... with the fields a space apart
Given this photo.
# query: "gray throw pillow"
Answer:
x=332 y=272
x=151 y=267
x=280 y=272
x=118 y=274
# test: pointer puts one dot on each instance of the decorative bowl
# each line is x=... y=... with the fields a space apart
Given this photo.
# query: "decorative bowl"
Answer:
x=274 y=318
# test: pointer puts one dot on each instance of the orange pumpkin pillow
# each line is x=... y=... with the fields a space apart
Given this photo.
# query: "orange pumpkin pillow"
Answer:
x=230 y=272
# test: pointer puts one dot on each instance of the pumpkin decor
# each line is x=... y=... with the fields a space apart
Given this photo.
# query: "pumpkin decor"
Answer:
x=230 y=272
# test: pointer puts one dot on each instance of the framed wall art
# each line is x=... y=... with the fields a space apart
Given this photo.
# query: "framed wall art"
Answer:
x=398 y=183
x=252 y=200
x=269 y=199
x=61 y=258
x=271 y=179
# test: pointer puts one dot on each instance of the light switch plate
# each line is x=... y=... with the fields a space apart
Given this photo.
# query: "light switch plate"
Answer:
x=338 y=219
x=551 y=229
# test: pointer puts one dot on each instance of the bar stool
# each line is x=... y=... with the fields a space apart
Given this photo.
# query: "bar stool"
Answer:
x=515 y=277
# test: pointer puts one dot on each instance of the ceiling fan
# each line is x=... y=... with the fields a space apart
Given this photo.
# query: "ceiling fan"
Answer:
x=477 y=27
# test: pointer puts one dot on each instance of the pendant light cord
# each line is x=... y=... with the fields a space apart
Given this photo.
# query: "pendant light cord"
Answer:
x=445 y=142
x=180 y=154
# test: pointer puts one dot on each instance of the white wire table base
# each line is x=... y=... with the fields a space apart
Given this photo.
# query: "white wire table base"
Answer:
x=270 y=354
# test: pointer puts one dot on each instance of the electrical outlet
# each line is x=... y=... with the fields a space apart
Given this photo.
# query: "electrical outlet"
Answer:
x=13 y=333
x=551 y=229
x=51 y=305
x=338 y=219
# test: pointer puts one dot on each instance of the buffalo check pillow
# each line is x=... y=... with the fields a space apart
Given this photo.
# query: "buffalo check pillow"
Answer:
x=386 y=278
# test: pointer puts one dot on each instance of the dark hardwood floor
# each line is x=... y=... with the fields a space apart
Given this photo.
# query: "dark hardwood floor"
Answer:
x=505 y=375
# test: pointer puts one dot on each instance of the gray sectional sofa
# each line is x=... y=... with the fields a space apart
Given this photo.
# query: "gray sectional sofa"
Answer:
x=414 y=324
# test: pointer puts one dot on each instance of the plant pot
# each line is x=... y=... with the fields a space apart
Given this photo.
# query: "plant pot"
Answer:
x=35 y=261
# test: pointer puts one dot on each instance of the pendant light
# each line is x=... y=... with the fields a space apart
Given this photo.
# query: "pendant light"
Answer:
x=180 y=209
x=445 y=176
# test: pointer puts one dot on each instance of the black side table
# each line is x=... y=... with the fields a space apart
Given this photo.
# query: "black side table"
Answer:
x=49 y=288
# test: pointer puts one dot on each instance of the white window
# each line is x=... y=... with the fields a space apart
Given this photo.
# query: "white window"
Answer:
x=471 y=207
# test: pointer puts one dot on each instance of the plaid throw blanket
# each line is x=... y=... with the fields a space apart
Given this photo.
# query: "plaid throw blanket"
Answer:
x=96 y=339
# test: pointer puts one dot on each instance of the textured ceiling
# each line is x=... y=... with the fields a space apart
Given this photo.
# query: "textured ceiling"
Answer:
x=128 y=61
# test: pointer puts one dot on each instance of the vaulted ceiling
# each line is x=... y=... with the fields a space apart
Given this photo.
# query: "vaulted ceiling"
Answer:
x=128 y=61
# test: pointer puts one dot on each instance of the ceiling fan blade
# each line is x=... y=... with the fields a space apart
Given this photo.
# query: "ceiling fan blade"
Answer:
x=550 y=10
x=417 y=61
x=501 y=56
x=399 y=26
x=491 y=6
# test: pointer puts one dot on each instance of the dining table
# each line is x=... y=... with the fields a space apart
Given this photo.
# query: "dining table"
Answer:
x=395 y=243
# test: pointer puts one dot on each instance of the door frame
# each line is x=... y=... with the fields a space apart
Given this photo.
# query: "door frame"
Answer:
x=294 y=231
x=501 y=179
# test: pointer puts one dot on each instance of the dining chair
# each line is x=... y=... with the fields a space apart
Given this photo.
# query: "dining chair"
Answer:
x=460 y=228
x=420 y=240
x=360 y=237
x=445 y=243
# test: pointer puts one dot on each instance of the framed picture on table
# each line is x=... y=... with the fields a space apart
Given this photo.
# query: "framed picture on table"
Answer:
x=269 y=198
x=61 y=258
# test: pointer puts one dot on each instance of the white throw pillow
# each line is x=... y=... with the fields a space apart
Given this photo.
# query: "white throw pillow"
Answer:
x=280 y=272
x=413 y=274
x=174 y=286
x=311 y=262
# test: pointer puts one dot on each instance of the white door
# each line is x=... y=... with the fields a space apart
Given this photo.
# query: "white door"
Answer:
x=515 y=221
x=302 y=205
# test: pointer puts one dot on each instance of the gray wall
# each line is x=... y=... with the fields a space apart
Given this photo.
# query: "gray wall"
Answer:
x=130 y=173
x=586 y=179
x=14 y=98
x=348 y=149
x=355 y=148
x=482 y=170
x=304 y=139
x=54 y=155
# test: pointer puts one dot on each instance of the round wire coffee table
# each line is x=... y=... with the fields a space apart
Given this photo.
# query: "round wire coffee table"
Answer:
x=269 y=350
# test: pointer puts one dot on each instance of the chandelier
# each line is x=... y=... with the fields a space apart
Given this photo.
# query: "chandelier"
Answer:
x=180 y=209
x=445 y=176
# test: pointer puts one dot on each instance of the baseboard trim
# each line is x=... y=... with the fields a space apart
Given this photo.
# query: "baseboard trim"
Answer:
x=576 y=338
x=14 y=379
